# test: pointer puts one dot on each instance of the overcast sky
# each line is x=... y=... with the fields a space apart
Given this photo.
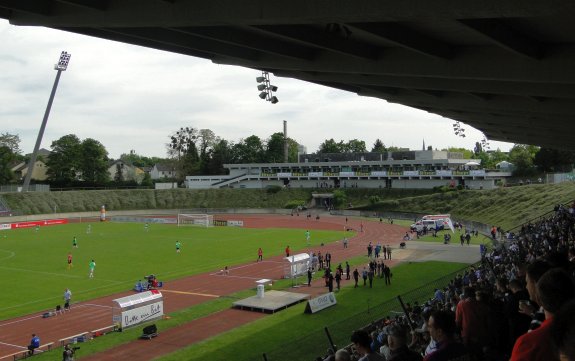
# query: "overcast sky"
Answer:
x=133 y=98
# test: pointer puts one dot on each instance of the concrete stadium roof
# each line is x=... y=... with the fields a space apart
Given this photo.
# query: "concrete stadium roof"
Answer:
x=506 y=67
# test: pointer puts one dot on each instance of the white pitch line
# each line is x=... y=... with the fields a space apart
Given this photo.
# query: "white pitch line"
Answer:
x=93 y=304
x=232 y=276
x=9 y=344
x=12 y=254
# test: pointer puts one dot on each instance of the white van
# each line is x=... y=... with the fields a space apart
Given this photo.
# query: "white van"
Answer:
x=431 y=224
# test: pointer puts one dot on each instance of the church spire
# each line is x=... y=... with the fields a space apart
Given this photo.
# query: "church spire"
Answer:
x=423 y=144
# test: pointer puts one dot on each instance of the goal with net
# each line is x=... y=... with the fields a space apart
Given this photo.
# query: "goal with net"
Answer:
x=200 y=220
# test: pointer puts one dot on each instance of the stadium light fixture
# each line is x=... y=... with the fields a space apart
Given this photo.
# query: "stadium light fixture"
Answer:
x=266 y=88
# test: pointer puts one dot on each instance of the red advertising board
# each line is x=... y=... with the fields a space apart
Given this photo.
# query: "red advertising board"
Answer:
x=46 y=222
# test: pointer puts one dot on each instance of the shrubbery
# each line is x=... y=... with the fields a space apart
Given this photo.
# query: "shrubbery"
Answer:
x=273 y=189
x=294 y=204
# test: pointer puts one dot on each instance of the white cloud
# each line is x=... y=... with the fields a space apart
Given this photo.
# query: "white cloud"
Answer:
x=129 y=97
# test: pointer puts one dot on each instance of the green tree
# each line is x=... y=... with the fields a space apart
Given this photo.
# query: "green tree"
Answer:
x=207 y=139
x=12 y=141
x=354 y=146
x=274 y=150
x=522 y=157
x=7 y=156
x=147 y=180
x=94 y=162
x=378 y=147
x=478 y=148
x=249 y=150
x=63 y=163
x=467 y=154
x=183 y=150
x=220 y=154
x=554 y=160
x=339 y=198
x=330 y=146
x=141 y=161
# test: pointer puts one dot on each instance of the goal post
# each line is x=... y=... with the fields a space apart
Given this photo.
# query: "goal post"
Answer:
x=198 y=220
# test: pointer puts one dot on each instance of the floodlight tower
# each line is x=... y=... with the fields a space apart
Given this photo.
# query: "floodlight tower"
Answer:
x=60 y=67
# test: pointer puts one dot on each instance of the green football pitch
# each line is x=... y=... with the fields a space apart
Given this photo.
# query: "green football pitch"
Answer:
x=34 y=270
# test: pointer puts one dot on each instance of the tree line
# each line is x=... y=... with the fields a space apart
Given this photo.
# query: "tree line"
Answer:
x=192 y=151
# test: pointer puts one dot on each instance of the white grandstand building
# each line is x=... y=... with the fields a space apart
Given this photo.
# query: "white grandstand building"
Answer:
x=401 y=170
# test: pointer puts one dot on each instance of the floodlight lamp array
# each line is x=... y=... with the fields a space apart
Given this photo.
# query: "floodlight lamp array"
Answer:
x=458 y=130
x=266 y=89
x=63 y=62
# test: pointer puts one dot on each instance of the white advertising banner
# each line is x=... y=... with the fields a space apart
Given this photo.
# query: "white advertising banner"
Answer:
x=443 y=173
x=315 y=174
x=379 y=173
x=284 y=175
x=142 y=314
x=321 y=302
x=346 y=174
x=235 y=223
x=477 y=172
x=5 y=226
x=411 y=173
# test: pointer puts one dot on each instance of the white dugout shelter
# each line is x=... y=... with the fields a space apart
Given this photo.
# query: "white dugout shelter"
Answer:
x=296 y=265
x=138 y=308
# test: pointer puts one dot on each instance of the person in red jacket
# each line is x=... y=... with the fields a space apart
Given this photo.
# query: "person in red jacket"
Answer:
x=554 y=289
x=287 y=251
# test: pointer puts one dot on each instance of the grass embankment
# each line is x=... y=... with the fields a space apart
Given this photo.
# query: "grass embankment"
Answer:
x=506 y=207
x=84 y=201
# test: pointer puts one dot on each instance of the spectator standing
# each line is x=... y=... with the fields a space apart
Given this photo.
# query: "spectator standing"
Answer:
x=397 y=342
x=342 y=355
x=471 y=317
x=355 y=277
x=370 y=276
x=387 y=274
x=442 y=329
x=347 y=269
x=362 y=342
x=67 y=299
x=563 y=332
x=260 y=255
x=338 y=278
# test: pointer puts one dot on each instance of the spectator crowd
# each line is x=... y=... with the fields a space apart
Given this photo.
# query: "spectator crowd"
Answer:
x=518 y=303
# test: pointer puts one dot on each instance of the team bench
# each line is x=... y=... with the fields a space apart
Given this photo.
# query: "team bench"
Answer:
x=102 y=331
x=22 y=354
x=66 y=340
